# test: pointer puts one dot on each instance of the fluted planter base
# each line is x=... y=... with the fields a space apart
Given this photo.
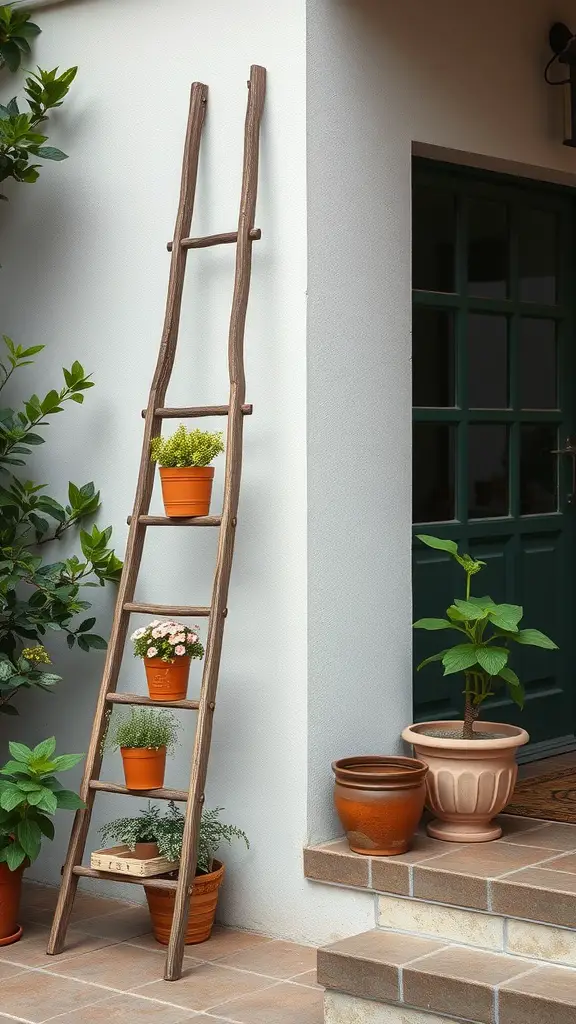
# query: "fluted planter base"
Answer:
x=469 y=781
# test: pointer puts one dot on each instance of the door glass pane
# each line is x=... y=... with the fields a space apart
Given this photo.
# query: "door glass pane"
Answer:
x=538 y=468
x=537 y=255
x=487 y=249
x=433 y=239
x=487 y=361
x=487 y=470
x=433 y=472
x=538 y=364
x=433 y=357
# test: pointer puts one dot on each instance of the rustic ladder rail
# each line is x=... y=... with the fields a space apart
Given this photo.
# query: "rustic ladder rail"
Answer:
x=140 y=520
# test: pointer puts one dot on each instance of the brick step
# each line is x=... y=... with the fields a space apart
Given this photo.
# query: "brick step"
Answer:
x=529 y=874
x=427 y=981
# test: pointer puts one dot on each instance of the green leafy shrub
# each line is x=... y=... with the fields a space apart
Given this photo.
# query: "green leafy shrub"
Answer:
x=30 y=794
x=148 y=728
x=16 y=30
x=167 y=830
x=187 y=448
x=482 y=657
x=39 y=595
x=167 y=640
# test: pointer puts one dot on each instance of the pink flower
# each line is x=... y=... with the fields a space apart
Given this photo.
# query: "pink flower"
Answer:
x=157 y=633
x=192 y=638
x=152 y=652
x=151 y=625
x=180 y=639
x=137 y=634
x=179 y=650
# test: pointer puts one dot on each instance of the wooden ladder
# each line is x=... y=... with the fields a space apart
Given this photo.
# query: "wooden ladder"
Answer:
x=140 y=520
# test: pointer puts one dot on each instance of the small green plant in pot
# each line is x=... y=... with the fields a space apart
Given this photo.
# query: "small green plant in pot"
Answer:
x=185 y=470
x=473 y=764
x=143 y=736
x=167 y=831
x=30 y=794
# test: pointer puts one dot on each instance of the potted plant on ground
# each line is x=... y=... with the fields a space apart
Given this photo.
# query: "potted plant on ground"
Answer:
x=143 y=736
x=167 y=649
x=379 y=801
x=473 y=764
x=166 y=831
x=30 y=793
x=185 y=471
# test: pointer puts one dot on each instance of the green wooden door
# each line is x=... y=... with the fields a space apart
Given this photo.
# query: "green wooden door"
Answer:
x=493 y=370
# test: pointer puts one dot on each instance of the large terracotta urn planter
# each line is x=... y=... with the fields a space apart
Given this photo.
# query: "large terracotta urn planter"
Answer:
x=186 y=491
x=167 y=680
x=379 y=801
x=10 y=890
x=203 y=901
x=144 y=767
x=470 y=781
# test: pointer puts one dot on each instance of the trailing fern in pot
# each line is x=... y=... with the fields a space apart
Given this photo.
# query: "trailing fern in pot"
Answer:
x=167 y=831
x=472 y=763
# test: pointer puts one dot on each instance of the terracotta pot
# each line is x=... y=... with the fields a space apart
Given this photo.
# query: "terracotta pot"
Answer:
x=202 y=908
x=10 y=889
x=470 y=781
x=167 y=680
x=379 y=801
x=144 y=767
x=145 y=851
x=186 y=490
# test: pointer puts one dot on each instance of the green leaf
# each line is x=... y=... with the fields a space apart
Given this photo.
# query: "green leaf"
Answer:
x=8 y=709
x=470 y=610
x=438 y=544
x=492 y=659
x=45 y=749
x=45 y=825
x=506 y=616
x=29 y=836
x=11 y=797
x=459 y=658
x=510 y=676
x=87 y=624
x=68 y=800
x=534 y=638
x=433 y=624
x=47 y=801
x=51 y=153
x=20 y=752
x=433 y=657
x=15 y=855
x=95 y=641
x=66 y=761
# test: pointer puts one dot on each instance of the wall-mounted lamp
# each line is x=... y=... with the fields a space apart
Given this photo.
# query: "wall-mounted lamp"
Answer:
x=563 y=45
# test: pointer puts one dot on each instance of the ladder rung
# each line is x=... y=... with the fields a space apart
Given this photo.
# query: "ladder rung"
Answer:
x=224 y=239
x=166 y=609
x=134 y=698
x=155 y=794
x=110 y=876
x=196 y=411
x=166 y=521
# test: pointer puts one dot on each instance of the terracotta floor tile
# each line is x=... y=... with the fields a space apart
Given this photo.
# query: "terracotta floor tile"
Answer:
x=119 y=966
x=283 y=1004
x=565 y=863
x=37 y=996
x=8 y=970
x=223 y=942
x=456 y=978
x=203 y=985
x=308 y=978
x=336 y=863
x=31 y=950
x=367 y=965
x=537 y=895
x=127 y=1010
x=85 y=908
x=550 y=837
x=275 y=959
x=512 y=824
x=124 y=924
x=545 y=996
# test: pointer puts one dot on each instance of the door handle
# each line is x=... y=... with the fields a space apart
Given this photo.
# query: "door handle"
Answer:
x=570 y=450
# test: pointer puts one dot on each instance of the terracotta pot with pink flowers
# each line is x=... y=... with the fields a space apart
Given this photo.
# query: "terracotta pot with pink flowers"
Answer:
x=167 y=649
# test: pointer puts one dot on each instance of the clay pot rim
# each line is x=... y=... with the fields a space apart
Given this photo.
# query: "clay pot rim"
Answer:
x=514 y=736
x=124 y=750
x=212 y=876
x=356 y=770
x=205 y=471
x=177 y=659
x=7 y=940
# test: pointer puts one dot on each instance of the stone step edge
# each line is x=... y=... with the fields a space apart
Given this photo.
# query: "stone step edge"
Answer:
x=446 y=978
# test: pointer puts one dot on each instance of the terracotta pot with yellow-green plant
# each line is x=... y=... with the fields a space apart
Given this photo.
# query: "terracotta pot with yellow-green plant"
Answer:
x=472 y=764
x=185 y=471
x=143 y=736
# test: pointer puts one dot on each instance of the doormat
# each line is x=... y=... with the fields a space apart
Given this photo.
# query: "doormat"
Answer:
x=551 y=796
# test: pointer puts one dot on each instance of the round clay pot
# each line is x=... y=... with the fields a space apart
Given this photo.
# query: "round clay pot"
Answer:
x=470 y=781
x=186 y=490
x=144 y=767
x=10 y=889
x=379 y=801
x=202 y=908
x=167 y=680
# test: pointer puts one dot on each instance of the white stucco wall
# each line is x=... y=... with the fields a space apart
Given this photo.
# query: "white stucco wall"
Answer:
x=384 y=77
